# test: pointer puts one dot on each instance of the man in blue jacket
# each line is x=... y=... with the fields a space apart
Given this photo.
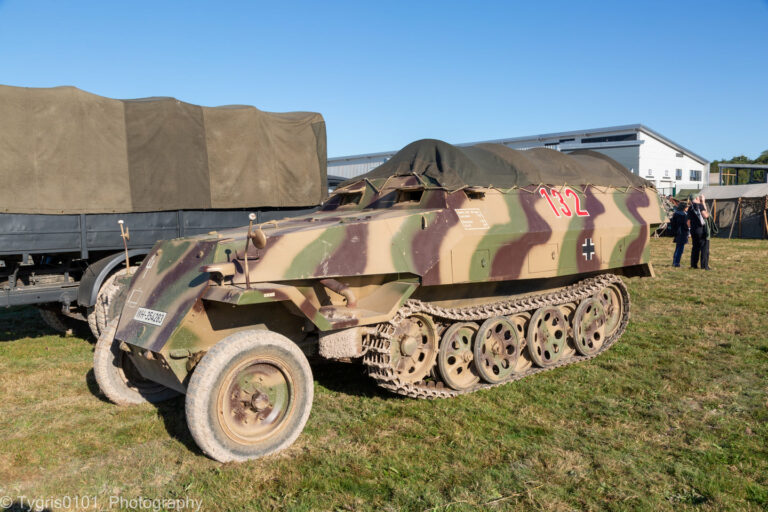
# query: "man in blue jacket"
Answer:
x=680 y=231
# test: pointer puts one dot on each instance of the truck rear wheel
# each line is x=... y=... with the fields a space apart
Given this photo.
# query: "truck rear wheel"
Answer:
x=118 y=378
x=249 y=396
x=56 y=320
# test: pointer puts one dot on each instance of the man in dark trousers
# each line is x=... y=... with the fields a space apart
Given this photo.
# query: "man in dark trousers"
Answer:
x=697 y=221
x=680 y=231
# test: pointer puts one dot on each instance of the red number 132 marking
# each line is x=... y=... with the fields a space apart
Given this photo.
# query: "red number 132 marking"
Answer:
x=563 y=209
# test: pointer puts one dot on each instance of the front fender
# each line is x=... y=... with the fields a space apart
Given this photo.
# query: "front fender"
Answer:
x=376 y=307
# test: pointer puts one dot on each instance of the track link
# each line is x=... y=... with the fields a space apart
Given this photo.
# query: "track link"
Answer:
x=377 y=346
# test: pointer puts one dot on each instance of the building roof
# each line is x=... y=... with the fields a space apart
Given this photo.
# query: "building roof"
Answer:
x=732 y=191
x=545 y=136
x=742 y=166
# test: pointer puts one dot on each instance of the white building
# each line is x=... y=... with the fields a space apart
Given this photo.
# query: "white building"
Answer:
x=642 y=150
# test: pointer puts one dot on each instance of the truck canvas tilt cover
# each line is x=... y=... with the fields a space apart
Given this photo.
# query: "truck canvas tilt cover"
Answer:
x=73 y=164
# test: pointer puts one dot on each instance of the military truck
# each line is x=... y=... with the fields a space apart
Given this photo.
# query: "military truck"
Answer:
x=73 y=164
x=445 y=270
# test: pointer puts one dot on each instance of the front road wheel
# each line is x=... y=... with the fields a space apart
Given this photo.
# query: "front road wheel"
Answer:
x=249 y=396
x=118 y=378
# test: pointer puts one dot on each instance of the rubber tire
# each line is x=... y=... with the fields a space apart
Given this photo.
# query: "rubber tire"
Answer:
x=109 y=377
x=90 y=316
x=56 y=320
x=203 y=389
x=99 y=314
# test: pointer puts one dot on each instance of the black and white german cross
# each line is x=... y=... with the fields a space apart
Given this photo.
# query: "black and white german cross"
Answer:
x=588 y=249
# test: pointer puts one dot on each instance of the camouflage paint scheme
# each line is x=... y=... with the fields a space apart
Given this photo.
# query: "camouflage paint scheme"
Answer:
x=385 y=240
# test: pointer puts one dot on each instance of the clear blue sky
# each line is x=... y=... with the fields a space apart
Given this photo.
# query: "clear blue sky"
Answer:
x=386 y=73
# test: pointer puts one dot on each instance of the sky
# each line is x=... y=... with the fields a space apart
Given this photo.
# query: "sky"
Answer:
x=384 y=74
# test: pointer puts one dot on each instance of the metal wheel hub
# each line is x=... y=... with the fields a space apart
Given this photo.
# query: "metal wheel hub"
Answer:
x=456 y=357
x=415 y=348
x=254 y=400
x=589 y=325
x=547 y=333
x=497 y=349
x=259 y=402
x=409 y=345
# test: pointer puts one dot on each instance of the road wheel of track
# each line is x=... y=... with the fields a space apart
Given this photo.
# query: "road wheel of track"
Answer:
x=613 y=302
x=589 y=326
x=55 y=319
x=456 y=358
x=118 y=378
x=249 y=396
x=547 y=336
x=521 y=321
x=109 y=302
x=497 y=349
x=414 y=348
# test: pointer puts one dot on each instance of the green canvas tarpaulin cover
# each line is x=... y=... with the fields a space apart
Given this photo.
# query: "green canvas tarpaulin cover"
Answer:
x=63 y=150
x=684 y=193
x=739 y=211
x=495 y=165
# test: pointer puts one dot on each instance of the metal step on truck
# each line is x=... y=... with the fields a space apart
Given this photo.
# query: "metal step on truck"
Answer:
x=74 y=164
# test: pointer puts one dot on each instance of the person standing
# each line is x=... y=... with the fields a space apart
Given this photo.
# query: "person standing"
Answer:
x=680 y=231
x=697 y=222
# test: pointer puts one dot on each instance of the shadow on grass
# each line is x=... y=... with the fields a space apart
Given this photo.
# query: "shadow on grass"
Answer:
x=93 y=386
x=20 y=322
x=171 y=412
x=347 y=378
x=175 y=421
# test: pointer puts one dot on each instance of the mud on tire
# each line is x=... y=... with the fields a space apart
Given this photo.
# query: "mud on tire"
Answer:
x=118 y=379
x=249 y=396
x=108 y=303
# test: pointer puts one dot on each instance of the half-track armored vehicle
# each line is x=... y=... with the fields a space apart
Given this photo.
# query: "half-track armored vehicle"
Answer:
x=446 y=270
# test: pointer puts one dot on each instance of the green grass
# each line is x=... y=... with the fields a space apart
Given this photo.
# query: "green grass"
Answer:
x=675 y=416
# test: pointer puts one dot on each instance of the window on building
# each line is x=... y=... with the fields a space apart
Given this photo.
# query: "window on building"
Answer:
x=649 y=174
x=695 y=175
x=666 y=173
x=610 y=138
x=678 y=174
x=567 y=140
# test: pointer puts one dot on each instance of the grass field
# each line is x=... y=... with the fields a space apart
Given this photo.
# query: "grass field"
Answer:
x=675 y=416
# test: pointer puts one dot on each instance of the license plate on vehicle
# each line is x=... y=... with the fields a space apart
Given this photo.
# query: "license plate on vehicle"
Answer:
x=149 y=316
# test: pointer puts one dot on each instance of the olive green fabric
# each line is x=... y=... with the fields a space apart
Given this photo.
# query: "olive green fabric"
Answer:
x=290 y=146
x=495 y=165
x=167 y=155
x=63 y=150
